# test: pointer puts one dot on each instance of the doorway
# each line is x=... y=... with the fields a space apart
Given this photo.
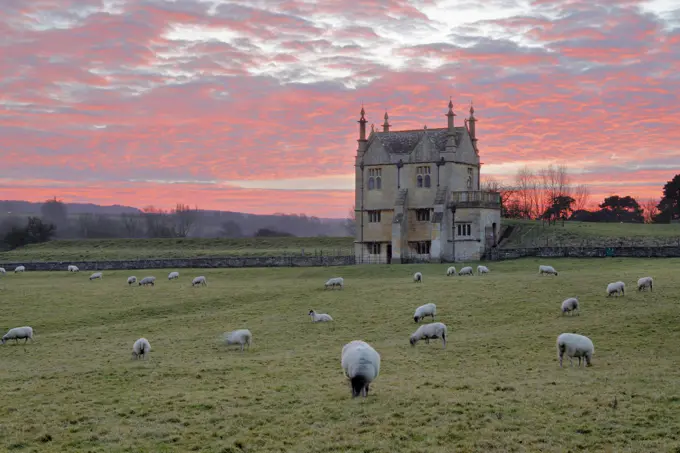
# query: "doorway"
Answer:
x=389 y=253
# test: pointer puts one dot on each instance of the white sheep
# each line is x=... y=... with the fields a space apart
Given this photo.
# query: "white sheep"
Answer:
x=320 y=317
x=199 y=281
x=645 y=282
x=333 y=282
x=575 y=345
x=570 y=305
x=173 y=275
x=482 y=270
x=542 y=269
x=19 y=269
x=429 y=331
x=467 y=270
x=17 y=333
x=96 y=275
x=418 y=277
x=241 y=337
x=450 y=271
x=616 y=287
x=2 y=270
x=141 y=348
x=132 y=280
x=148 y=281
x=72 y=268
x=361 y=364
x=425 y=310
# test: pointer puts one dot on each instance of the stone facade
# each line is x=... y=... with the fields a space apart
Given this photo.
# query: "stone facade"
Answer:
x=418 y=195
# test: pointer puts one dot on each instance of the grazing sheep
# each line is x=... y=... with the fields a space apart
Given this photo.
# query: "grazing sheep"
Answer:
x=361 y=364
x=418 y=277
x=570 y=305
x=616 y=287
x=141 y=348
x=321 y=317
x=17 y=333
x=333 y=282
x=467 y=270
x=542 y=269
x=429 y=331
x=425 y=310
x=241 y=336
x=173 y=275
x=199 y=281
x=645 y=282
x=2 y=270
x=132 y=280
x=575 y=345
x=148 y=281
x=96 y=275
x=19 y=269
x=482 y=270
x=451 y=271
x=73 y=268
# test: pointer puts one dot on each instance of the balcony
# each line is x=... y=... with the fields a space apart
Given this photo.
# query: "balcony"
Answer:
x=475 y=199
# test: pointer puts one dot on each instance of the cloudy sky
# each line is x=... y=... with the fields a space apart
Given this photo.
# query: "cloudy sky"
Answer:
x=252 y=105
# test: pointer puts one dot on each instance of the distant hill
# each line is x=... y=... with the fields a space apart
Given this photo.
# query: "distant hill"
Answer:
x=33 y=208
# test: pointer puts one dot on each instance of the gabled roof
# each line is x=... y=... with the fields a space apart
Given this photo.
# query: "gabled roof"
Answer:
x=403 y=142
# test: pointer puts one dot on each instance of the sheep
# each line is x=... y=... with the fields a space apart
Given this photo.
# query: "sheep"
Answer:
x=241 y=336
x=451 y=271
x=333 y=282
x=429 y=331
x=132 y=280
x=616 y=287
x=199 y=281
x=73 y=268
x=482 y=270
x=173 y=275
x=321 y=317
x=19 y=269
x=542 y=269
x=645 y=282
x=96 y=275
x=575 y=345
x=2 y=270
x=425 y=310
x=467 y=270
x=361 y=364
x=18 y=333
x=570 y=305
x=418 y=277
x=148 y=281
x=141 y=348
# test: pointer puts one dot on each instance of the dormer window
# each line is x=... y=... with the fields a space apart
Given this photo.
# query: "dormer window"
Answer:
x=423 y=178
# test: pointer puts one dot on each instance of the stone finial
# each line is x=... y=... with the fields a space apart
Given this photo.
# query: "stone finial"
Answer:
x=386 y=124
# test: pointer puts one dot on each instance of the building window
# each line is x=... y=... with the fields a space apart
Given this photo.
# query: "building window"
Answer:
x=423 y=176
x=423 y=215
x=374 y=248
x=464 y=230
x=373 y=216
x=469 y=178
x=374 y=178
x=421 y=248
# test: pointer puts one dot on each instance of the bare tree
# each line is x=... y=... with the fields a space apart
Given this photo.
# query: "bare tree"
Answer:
x=508 y=193
x=184 y=218
x=581 y=196
x=528 y=195
x=158 y=223
x=350 y=222
x=650 y=208
x=132 y=223
x=553 y=183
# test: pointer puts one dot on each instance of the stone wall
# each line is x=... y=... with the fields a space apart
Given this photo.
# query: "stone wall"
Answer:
x=585 y=252
x=179 y=263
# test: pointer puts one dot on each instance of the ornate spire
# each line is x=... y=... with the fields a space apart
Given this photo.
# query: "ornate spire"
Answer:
x=471 y=127
x=386 y=124
x=451 y=132
x=362 y=127
x=472 y=110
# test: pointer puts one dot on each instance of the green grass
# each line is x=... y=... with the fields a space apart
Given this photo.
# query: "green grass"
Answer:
x=532 y=233
x=121 y=249
x=497 y=387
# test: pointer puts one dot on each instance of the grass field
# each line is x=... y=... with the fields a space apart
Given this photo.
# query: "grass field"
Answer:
x=532 y=233
x=122 y=249
x=497 y=387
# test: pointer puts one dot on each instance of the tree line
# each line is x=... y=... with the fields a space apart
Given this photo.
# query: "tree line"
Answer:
x=549 y=194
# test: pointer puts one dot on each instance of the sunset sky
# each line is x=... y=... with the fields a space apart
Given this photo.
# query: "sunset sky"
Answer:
x=252 y=105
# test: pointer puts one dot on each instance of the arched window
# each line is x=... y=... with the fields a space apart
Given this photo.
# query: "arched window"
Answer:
x=371 y=183
x=469 y=182
x=419 y=181
x=427 y=180
x=378 y=183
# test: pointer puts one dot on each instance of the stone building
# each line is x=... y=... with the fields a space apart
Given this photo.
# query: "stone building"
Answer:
x=418 y=195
